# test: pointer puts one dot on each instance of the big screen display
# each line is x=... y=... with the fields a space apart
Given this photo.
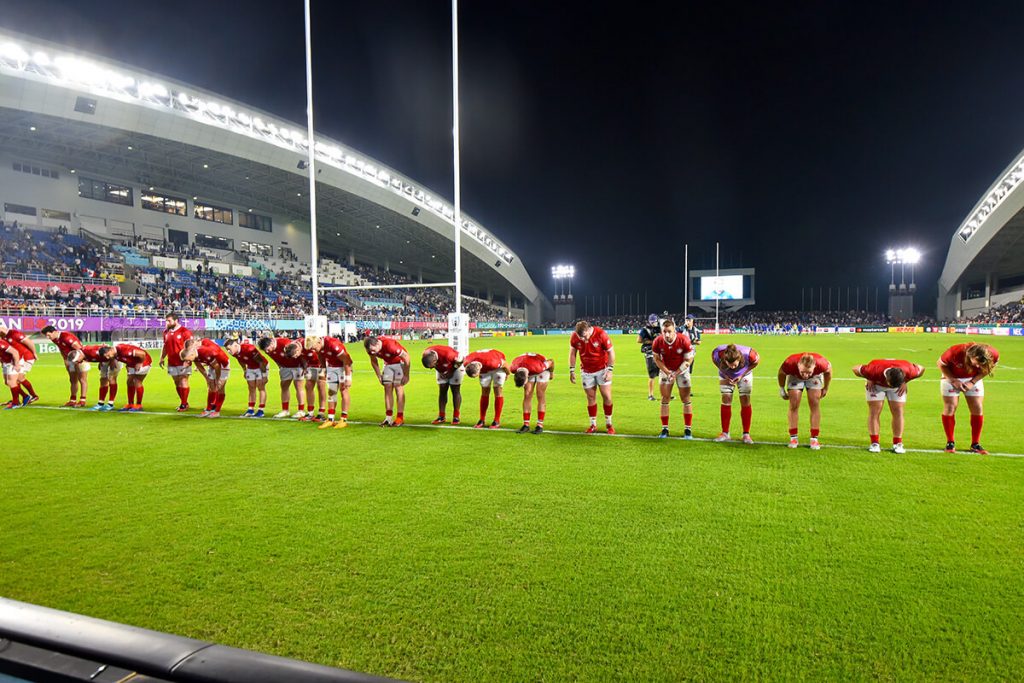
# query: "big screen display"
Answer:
x=722 y=287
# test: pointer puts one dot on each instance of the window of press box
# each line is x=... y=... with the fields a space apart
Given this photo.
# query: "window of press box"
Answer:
x=254 y=221
x=206 y=212
x=213 y=242
x=257 y=249
x=159 y=202
x=105 y=192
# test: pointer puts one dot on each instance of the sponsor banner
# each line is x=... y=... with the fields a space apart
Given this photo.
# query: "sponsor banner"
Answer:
x=501 y=325
x=872 y=329
x=30 y=324
x=47 y=347
x=721 y=330
x=1017 y=331
x=1001 y=331
x=985 y=330
x=38 y=285
x=902 y=330
x=847 y=330
x=928 y=329
x=826 y=330
x=237 y=325
x=971 y=330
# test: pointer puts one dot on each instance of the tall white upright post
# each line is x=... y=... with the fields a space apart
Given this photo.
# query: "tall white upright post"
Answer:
x=314 y=255
x=718 y=286
x=686 y=280
x=456 y=165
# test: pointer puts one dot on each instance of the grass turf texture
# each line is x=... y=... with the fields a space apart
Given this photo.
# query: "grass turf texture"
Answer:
x=456 y=554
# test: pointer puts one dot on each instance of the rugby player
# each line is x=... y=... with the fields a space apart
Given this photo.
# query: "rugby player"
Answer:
x=27 y=351
x=215 y=366
x=532 y=372
x=108 y=374
x=137 y=363
x=67 y=343
x=887 y=380
x=10 y=356
x=447 y=366
x=393 y=377
x=289 y=368
x=673 y=354
x=256 y=371
x=492 y=369
x=597 y=360
x=338 y=375
x=799 y=372
x=175 y=336
x=735 y=371
x=963 y=368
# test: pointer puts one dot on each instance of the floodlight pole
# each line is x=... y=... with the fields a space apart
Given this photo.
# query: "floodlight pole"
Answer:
x=314 y=256
x=455 y=146
x=686 y=280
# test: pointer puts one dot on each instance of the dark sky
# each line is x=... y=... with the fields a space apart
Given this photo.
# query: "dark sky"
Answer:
x=805 y=137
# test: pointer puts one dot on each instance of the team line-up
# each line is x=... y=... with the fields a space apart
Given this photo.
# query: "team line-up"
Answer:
x=322 y=367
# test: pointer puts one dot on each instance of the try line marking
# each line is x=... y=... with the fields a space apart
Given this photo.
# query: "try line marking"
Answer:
x=735 y=443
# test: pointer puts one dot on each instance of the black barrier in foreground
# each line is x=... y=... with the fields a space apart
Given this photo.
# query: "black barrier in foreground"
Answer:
x=51 y=645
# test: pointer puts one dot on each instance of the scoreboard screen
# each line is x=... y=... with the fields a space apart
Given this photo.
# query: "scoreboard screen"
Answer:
x=726 y=287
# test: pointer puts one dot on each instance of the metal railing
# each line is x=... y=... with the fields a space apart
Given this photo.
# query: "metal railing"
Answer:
x=36 y=277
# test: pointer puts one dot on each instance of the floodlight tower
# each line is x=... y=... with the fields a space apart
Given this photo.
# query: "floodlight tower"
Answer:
x=565 y=306
x=901 y=299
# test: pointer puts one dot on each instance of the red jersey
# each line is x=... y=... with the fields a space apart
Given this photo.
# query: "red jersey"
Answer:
x=534 y=363
x=875 y=370
x=790 y=366
x=250 y=358
x=955 y=358
x=18 y=340
x=92 y=354
x=282 y=360
x=5 y=351
x=209 y=352
x=174 y=344
x=125 y=354
x=66 y=343
x=310 y=358
x=390 y=351
x=334 y=353
x=594 y=351
x=447 y=357
x=672 y=355
x=489 y=359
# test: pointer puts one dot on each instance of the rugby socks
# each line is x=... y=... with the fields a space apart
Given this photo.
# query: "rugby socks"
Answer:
x=526 y=418
x=540 y=418
x=499 y=403
x=131 y=394
x=795 y=431
x=897 y=440
x=485 y=400
x=210 y=399
x=976 y=422
x=726 y=414
x=874 y=438
x=28 y=385
x=16 y=395
x=745 y=415
x=252 y=405
x=814 y=433
x=113 y=393
x=607 y=413
x=284 y=405
x=664 y=420
x=688 y=419
x=219 y=400
x=103 y=394
x=949 y=425
x=139 y=391
x=455 y=414
x=592 y=412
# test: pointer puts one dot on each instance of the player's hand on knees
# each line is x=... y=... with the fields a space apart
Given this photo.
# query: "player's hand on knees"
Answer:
x=824 y=392
x=783 y=394
x=902 y=391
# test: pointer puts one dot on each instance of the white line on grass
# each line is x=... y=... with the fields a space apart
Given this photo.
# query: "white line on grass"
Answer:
x=269 y=420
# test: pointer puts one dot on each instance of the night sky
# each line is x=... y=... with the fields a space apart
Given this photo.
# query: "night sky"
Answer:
x=807 y=138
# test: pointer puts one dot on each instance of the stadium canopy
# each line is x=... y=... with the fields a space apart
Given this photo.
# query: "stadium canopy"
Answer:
x=985 y=264
x=88 y=113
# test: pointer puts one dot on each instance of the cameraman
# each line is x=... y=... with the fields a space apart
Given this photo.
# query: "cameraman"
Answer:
x=645 y=339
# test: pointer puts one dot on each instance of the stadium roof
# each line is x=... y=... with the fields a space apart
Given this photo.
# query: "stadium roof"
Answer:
x=991 y=237
x=91 y=114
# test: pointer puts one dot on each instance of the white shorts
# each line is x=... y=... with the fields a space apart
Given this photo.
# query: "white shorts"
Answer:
x=26 y=366
x=456 y=378
x=682 y=379
x=495 y=377
x=746 y=385
x=392 y=374
x=542 y=378
x=596 y=379
x=72 y=366
x=876 y=392
x=290 y=374
x=139 y=370
x=210 y=372
x=795 y=383
x=109 y=369
x=946 y=388
x=313 y=373
x=335 y=377
x=9 y=369
x=179 y=370
x=255 y=374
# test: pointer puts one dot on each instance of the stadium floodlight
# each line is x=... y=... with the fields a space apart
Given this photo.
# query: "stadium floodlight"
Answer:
x=890 y=255
x=911 y=255
x=14 y=52
x=40 y=58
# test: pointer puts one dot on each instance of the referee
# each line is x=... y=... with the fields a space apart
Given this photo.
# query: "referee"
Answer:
x=645 y=339
x=691 y=330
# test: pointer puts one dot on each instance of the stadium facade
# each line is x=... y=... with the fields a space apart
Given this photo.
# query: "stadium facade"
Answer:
x=985 y=264
x=92 y=144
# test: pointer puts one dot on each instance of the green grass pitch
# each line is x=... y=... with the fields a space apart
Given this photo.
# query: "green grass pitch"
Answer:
x=462 y=555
